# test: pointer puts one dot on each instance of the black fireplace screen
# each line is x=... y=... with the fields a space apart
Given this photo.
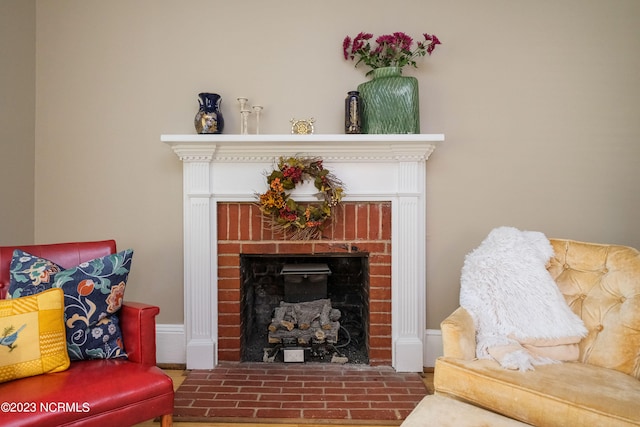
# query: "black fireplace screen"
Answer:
x=276 y=290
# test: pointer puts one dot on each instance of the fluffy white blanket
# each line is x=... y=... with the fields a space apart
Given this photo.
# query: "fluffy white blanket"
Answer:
x=516 y=305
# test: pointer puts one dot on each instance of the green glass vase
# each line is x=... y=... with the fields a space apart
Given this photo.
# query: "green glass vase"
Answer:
x=390 y=102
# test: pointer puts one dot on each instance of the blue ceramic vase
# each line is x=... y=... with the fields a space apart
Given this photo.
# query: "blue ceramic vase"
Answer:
x=209 y=118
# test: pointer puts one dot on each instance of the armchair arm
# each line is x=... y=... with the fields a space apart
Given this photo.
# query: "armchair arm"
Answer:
x=459 y=335
x=138 y=324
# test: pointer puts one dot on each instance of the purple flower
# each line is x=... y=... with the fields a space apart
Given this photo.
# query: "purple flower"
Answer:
x=389 y=50
x=345 y=47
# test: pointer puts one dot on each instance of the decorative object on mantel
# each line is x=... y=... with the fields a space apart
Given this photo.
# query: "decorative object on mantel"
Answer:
x=390 y=100
x=353 y=113
x=209 y=117
x=257 y=109
x=243 y=112
x=302 y=126
x=284 y=213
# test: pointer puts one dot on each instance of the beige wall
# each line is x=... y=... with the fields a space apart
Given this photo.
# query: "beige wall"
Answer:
x=539 y=101
x=17 y=126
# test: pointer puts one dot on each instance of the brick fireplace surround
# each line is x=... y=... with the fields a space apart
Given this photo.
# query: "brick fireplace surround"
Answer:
x=383 y=215
x=360 y=227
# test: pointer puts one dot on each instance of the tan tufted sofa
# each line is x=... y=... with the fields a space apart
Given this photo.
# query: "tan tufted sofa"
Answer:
x=601 y=283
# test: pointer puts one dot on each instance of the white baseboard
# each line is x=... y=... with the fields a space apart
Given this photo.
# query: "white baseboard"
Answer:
x=171 y=345
x=432 y=347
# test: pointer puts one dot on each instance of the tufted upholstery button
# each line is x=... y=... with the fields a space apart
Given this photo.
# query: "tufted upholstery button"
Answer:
x=565 y=266
x=583 y=296
x=622 y=299
x=599 y=328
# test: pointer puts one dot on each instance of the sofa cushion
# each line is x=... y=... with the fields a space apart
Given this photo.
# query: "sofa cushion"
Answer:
x=107 y=392
x=32 y=335
x=93 y=293
x=568 y=393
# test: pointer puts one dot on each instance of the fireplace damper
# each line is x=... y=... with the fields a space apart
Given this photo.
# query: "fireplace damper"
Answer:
x=347 y=293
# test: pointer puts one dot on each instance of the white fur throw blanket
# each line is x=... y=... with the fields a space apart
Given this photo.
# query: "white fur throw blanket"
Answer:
x=521 y=317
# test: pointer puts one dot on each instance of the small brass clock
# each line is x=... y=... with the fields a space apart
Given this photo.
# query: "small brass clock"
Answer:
x=302 y=126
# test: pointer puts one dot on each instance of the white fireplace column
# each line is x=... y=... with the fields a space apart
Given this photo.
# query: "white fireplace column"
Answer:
x=220 y=168
x=200 y=295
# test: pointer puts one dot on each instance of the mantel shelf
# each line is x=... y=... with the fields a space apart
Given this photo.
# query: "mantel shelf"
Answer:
x=334 y=147
x=291 y=138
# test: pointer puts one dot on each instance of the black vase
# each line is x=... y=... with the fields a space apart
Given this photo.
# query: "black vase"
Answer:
x=209 y=118
x=353 y=113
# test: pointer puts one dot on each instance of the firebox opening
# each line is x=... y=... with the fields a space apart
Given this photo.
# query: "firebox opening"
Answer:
x=263 y=290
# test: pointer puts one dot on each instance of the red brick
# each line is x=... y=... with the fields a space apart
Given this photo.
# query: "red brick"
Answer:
x=379 y=342
x=233 y=221
x=231 y=412
x=380 y=281
x=329 y=414
x=253 y=404
x=373 y=247
x=380 y=259
x=349 y=221
x=259 y=248
x=229 y=272
x=278 y=413
x=228 y=331
x=227 y=260
x=229 y=283
x=223 y=221
x=228 y=319
x=362 y=221
x=229 y=295
x=228 y=307
x=229 y=355
x=295 y=248
x=228 y=248
x=374 y=221
x=192 y=412
x=380 y=270
x=255 y=221
x=336 y=231
x=380 y=294
x=374 y=414
x=385 y=229
x=244 y=221
x=380 y=318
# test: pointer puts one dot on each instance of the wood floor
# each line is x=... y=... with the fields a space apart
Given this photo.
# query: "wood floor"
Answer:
x=178 y=377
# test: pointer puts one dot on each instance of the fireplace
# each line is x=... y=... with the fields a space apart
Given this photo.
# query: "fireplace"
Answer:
x=385 y=180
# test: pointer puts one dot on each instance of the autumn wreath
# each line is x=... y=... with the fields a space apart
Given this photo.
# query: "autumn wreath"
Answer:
x=284 y=213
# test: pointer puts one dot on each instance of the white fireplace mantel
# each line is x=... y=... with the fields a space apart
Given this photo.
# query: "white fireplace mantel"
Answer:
x=221 y=168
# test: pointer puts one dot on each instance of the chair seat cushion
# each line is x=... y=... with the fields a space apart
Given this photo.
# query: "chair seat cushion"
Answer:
x=569 y=393
x=441 y=411
x=118 y=390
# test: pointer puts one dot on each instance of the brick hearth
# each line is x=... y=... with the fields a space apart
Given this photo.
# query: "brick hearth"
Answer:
x=359 y=227
x=326 y=393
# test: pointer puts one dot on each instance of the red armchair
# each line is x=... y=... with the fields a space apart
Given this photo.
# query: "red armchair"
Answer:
x=105 y=392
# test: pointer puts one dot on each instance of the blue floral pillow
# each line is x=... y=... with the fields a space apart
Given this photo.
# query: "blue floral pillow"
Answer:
x=93 y=293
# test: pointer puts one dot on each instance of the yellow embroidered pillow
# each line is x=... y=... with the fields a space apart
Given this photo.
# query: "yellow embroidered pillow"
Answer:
x=32 y=335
